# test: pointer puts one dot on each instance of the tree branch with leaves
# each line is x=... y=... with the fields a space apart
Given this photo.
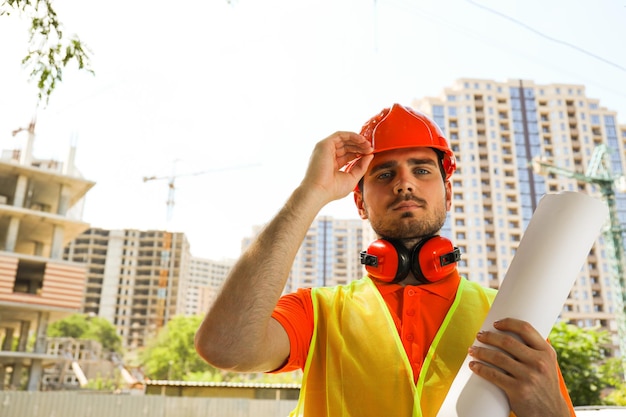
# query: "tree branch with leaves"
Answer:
x=49 y=51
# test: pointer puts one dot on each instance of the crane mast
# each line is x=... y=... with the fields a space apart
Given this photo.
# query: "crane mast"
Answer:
x=166 y=265
x=599 y=173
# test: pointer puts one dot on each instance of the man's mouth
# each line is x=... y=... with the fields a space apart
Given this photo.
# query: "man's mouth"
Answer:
x=409 y=203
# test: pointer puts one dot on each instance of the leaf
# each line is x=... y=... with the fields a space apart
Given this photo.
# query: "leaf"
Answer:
x=44 y=60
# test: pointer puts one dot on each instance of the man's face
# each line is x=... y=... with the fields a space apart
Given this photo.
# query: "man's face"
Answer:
x=404 y=195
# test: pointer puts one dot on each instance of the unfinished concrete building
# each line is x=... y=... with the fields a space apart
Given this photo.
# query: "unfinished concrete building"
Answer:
x=137 y=280
x=40 y=210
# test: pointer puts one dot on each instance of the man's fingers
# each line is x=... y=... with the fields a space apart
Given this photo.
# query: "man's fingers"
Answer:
x=359 y=167
x=524 y=330
x=350 y=145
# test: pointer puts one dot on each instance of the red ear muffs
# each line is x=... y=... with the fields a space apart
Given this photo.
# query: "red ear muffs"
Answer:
x=386 y=260
x=434 y=259
x=430 y=260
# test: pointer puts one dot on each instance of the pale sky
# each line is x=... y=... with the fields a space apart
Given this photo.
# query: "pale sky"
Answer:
x=244 y=90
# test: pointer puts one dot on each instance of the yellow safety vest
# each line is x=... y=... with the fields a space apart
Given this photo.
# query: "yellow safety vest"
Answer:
x=357 y=365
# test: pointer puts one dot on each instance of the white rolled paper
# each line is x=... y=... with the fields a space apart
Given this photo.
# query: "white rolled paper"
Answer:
x=547 y=262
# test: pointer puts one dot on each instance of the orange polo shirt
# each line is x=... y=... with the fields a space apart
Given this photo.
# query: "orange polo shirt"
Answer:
x=417 y=311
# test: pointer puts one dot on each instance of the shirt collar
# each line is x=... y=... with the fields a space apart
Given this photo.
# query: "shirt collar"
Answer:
x=445 y=288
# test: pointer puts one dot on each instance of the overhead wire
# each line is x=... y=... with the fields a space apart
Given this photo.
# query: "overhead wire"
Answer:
x=548 y=37
x=414 y=9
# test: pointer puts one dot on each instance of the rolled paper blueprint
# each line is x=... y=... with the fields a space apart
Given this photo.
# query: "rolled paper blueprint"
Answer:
x=550 y=255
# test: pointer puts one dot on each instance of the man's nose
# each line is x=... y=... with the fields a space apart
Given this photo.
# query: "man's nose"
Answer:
x=405 y=182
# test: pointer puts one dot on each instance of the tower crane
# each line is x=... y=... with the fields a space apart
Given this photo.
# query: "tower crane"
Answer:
x=171 y=188
x=599 y=173
x=166 y=268
x=172 y=178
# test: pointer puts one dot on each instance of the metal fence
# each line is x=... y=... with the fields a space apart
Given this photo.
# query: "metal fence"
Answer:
x=76 y=404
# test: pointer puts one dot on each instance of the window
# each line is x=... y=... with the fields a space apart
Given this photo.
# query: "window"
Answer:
x=29 y=277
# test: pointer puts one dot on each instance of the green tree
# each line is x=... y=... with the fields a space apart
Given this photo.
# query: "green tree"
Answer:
x=72 y=326
x=172 y=355
x=614 y=371
x=581 y=356
x=82 y=326
x=49 y=50
x=617 y=396
x=102 y=330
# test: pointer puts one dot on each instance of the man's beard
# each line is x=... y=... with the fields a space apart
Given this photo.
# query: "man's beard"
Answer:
x=417 y=228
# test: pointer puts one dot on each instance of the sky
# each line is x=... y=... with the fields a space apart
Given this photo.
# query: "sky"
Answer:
x=231 y=97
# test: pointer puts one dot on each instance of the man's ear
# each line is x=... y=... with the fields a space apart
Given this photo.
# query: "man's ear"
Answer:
x=448 y=186
x=358 y=201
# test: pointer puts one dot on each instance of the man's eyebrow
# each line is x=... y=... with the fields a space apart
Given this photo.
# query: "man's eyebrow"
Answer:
x=383 y=166
x=412 y=161
x=423 y=161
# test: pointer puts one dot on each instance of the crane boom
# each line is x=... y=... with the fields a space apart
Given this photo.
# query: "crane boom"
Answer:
x=172 y=178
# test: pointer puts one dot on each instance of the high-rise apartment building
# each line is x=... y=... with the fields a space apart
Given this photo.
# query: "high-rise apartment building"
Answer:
x=329 y=254
x=496 y=129
x=135 y=279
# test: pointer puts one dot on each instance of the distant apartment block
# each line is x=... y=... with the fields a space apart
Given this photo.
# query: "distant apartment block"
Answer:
x=329 y=254
x=135 y=279
x=206 y=277
x=496 y=129
x=40 y=212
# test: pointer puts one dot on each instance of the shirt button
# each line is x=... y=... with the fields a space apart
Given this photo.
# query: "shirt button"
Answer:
x=409 y=337
x=410 y=312
x=411 y=292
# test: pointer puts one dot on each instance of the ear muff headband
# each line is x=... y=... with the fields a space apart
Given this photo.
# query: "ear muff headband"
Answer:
x=430 y=260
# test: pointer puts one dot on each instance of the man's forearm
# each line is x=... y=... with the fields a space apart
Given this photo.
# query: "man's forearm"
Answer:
x=237 y=332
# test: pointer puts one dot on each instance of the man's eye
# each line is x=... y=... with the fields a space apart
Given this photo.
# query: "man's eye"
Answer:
x=384 y=176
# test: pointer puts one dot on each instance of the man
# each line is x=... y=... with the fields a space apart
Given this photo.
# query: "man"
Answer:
x=391 y=343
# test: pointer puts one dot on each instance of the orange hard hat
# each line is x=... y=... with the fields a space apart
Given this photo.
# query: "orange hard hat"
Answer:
x=403 y=127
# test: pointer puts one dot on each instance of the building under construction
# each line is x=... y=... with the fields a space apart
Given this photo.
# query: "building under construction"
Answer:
x=40 y=213
x=135 y=279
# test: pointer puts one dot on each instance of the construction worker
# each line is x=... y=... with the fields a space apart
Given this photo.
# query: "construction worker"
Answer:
x=391 y=343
